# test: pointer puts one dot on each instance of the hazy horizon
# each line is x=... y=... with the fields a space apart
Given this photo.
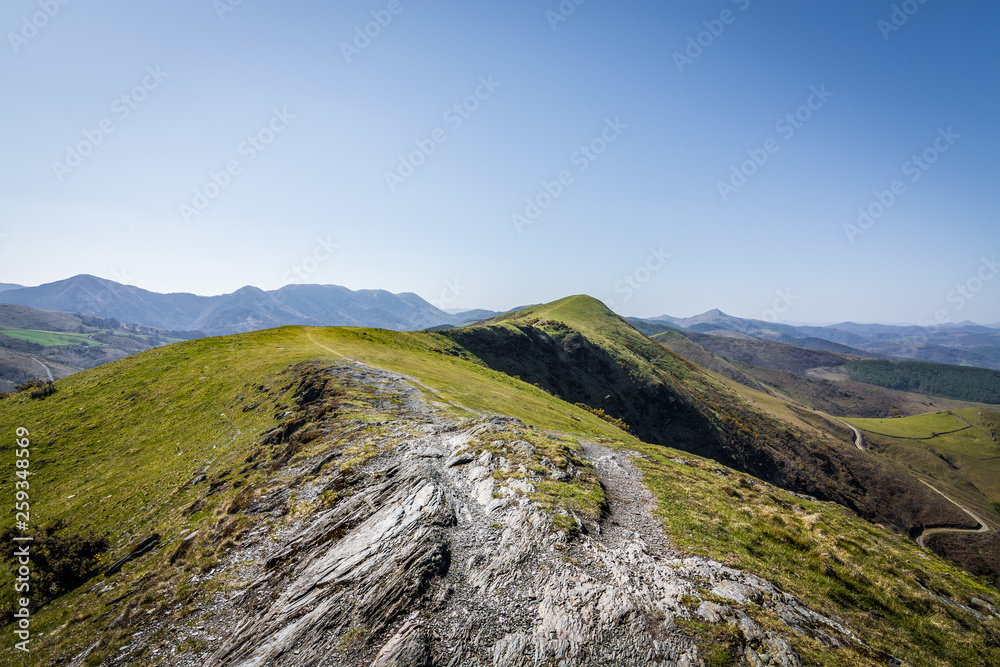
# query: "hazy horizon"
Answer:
x=456 y=311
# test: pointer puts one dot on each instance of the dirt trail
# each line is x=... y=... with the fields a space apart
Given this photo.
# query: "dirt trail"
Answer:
x=412 y=380
x=630 y=504
x=51 y=379
x=983 y=526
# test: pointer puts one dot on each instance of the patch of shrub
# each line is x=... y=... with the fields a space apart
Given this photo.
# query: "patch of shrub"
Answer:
x=60 y=560
x=242 y=501
x=37 y=388
x=605 y=416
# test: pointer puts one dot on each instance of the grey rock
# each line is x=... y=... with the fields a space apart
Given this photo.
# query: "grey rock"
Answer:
x=434 y=560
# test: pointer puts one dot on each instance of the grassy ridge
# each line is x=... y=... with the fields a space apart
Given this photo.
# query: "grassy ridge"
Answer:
x=113 y=444
x=578 y=349
x=115 y=448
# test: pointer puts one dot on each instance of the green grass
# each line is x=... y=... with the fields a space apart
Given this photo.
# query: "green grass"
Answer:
x=924 y=426
x=962 y=461
x=50 y=338
x=114 y=448
x=838 y=564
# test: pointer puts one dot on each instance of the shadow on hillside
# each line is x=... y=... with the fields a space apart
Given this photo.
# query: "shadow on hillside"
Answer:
x=665 y=412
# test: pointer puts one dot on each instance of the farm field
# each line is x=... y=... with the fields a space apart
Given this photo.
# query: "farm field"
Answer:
x=50 y=338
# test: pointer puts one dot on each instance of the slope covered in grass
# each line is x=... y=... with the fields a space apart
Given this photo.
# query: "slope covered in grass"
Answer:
x=578 y=349
x=175 y=440
x=958 y=451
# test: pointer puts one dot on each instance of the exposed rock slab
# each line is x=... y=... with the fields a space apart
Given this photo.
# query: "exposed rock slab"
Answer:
x=439 y=556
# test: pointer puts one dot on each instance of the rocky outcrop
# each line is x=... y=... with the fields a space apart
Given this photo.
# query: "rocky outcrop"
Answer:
x=450 y=548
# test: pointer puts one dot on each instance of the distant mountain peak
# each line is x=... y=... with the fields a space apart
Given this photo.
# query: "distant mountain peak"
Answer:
x=248 y=308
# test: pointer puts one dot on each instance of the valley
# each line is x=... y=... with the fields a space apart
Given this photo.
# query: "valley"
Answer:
x=39 y=345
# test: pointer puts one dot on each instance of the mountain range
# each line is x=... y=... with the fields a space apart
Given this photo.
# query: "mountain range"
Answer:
x=967 y=344
x=246 y=309
x=251 y=309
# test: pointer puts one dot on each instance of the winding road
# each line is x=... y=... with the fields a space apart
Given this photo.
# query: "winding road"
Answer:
x=859 y=438
x=859 y=441
x=983 y=526
x=51 y=379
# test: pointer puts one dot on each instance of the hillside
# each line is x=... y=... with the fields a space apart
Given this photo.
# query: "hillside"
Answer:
x=819 y=378
x=36 y=343
x=335 y=496
x=578 y=350
x=958 y=451
x=962 y=383
x=769 y=354
x=846 y=398
x=685 y=347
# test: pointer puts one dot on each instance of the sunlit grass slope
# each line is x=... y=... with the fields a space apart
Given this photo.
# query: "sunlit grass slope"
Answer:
x=958 y=451
x=114 y=450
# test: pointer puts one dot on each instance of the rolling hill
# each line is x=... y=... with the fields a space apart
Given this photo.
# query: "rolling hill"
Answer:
x=40 y=344
x=770 y=354
x=351 y=496
x=580 y=351
x=834 y=382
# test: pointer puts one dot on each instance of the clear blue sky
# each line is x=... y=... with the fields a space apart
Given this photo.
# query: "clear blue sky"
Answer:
x=198 y=80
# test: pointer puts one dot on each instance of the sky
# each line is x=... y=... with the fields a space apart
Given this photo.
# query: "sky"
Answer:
x=793 y=161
